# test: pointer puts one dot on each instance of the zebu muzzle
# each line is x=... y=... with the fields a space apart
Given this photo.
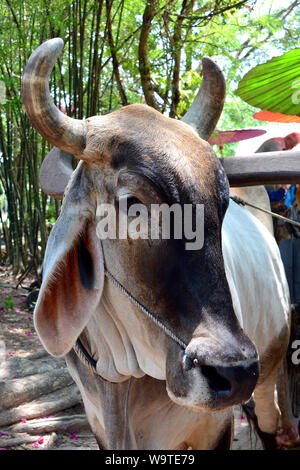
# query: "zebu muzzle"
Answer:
x=211 y=374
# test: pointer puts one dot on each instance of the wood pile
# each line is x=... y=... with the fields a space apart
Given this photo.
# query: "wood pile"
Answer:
x=33 y=389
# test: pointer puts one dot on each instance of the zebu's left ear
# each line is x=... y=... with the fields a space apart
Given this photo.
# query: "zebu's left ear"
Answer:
x=72 y=285
x=55 y=172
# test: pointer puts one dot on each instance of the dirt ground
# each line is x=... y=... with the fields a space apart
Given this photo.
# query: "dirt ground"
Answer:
x=20 y=340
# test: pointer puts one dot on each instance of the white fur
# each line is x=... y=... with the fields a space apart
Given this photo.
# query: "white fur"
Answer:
x=256 y=276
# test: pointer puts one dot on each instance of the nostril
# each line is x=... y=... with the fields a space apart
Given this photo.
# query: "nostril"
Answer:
x=215 y=381
x=187 y=363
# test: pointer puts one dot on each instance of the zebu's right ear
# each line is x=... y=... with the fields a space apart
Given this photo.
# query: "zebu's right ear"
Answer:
x=73 y=278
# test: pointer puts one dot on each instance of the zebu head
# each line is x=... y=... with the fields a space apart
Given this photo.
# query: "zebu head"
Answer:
x=140 y=155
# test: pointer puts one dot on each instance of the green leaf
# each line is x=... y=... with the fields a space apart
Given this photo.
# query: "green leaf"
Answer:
x=9 y=304
x=275 y=85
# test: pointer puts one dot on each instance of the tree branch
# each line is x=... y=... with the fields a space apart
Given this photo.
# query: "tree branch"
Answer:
x=177 y=46
x=113 y=54
x=144 y=67
x=214 y=12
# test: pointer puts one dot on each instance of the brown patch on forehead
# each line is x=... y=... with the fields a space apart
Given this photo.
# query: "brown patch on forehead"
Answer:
x=146 y=158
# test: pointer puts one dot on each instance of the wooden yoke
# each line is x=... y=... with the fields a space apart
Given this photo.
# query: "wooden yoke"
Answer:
x=263 y=168
x=253 y=170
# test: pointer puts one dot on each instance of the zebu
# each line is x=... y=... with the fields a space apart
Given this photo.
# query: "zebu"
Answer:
x=228 y=302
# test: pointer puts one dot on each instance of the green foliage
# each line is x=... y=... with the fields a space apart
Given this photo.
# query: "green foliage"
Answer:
x=9 y=303
x=274 y=86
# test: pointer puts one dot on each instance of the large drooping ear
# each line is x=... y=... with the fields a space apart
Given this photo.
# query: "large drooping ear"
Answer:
x=73 y=277
x=55 y=172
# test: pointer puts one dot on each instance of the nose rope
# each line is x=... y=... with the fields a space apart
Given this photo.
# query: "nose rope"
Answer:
x=242 y=202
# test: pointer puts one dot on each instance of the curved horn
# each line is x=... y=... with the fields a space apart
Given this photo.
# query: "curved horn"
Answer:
x=60 y=130
x=206 y=108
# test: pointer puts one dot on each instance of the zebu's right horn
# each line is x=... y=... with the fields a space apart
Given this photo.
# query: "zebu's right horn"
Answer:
x=60 y=130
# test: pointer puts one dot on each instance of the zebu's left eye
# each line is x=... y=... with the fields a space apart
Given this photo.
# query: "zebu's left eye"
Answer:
x=126 y=201
x=132 y=200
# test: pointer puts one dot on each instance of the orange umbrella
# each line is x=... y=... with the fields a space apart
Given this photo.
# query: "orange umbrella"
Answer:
x=275 y=117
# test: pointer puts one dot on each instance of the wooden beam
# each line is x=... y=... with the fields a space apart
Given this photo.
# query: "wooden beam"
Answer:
x=252 y=170
x=263 y=168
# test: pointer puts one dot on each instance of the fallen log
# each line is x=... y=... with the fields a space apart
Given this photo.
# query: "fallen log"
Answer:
x=6 y=442
x=16 y=392
x=69 y=423
x=18 y=371
x=23 y=366
x=43 y=406
x=50 y=441
x=20 y=439
x=37 y=355
x=2 y=352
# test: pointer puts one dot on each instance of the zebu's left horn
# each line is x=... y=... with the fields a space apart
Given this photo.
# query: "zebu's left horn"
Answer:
x=60 y=130
x=207 y=106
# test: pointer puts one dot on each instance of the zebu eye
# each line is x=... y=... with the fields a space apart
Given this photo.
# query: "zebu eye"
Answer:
x=132 y=200
x=125 y=202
